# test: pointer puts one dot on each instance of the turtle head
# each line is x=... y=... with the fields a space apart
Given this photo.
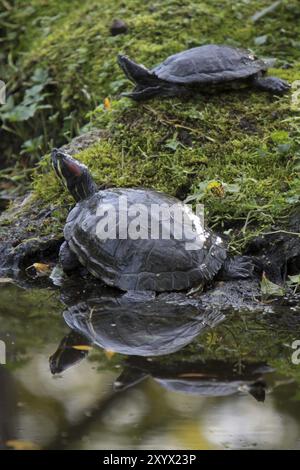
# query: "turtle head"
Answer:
x=74 y=175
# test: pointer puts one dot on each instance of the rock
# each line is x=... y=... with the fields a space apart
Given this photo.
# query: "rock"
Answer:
x=278 y=250
x=118 y=27
x=83 y=141
x=20 y=241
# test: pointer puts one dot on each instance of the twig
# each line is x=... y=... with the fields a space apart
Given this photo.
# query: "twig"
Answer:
x=164 y=120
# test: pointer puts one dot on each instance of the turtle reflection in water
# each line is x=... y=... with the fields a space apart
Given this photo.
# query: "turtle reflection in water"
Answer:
x=138 y=323
x=211 y=378
x=142 y=326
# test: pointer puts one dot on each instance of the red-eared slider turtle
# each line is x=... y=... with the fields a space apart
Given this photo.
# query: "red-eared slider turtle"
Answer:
x=164 y=253
x=205 y=69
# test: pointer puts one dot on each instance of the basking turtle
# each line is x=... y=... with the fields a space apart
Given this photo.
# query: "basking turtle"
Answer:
x=205 y=69
x=178 y=254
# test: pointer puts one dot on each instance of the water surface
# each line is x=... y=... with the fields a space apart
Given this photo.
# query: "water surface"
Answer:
x=170 y=407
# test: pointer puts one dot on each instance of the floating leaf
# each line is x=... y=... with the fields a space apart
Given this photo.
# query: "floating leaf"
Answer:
x=109 y=354
x=17 y=444
x=82 y=347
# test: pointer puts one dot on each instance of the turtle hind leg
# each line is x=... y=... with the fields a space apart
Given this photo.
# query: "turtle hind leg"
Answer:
x=238 y=267
x=68 y=259
x=136 y=73
x=148 y=85
x=141 y=93
x=273 y=85
x=164 y=90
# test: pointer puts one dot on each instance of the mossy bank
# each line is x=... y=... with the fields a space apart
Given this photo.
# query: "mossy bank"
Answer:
x=238 y=152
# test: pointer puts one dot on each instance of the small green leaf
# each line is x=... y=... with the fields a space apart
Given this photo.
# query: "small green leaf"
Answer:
x=295 y=279
x=269 y=289
x=280 y=137
x=172 y=144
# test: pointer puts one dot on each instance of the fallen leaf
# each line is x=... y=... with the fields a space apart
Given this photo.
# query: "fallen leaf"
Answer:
x=107 y=104
x=295 y=279
x=109 y=354
x=17 y=444
x=39 y=269
x=269 y=289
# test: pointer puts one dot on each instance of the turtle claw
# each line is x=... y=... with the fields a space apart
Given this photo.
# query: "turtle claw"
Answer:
x=239 y=267
x=142 y=93
x=273 y=85
x=195 y=290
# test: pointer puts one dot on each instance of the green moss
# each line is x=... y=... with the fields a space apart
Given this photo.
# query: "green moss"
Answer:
x=247 y=141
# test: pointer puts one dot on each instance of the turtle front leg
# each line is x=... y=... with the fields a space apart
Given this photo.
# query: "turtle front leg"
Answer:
x=67 y=258
x=238 y=267
x=273 y=85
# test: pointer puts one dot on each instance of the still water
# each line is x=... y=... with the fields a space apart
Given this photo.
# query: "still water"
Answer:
x=207 y=395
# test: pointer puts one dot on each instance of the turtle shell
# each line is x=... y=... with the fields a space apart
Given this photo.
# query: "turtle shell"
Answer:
x=177 y=262
x=209 y=64
x=141 y=324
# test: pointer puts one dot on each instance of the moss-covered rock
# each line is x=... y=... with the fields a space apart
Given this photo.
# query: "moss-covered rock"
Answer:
x=238 y=153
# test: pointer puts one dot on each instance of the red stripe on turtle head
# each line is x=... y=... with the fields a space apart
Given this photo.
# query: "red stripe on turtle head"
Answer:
x=73 y=167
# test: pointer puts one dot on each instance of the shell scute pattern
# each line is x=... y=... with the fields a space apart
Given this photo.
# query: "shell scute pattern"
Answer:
x=142 y=264
x=209 y=64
